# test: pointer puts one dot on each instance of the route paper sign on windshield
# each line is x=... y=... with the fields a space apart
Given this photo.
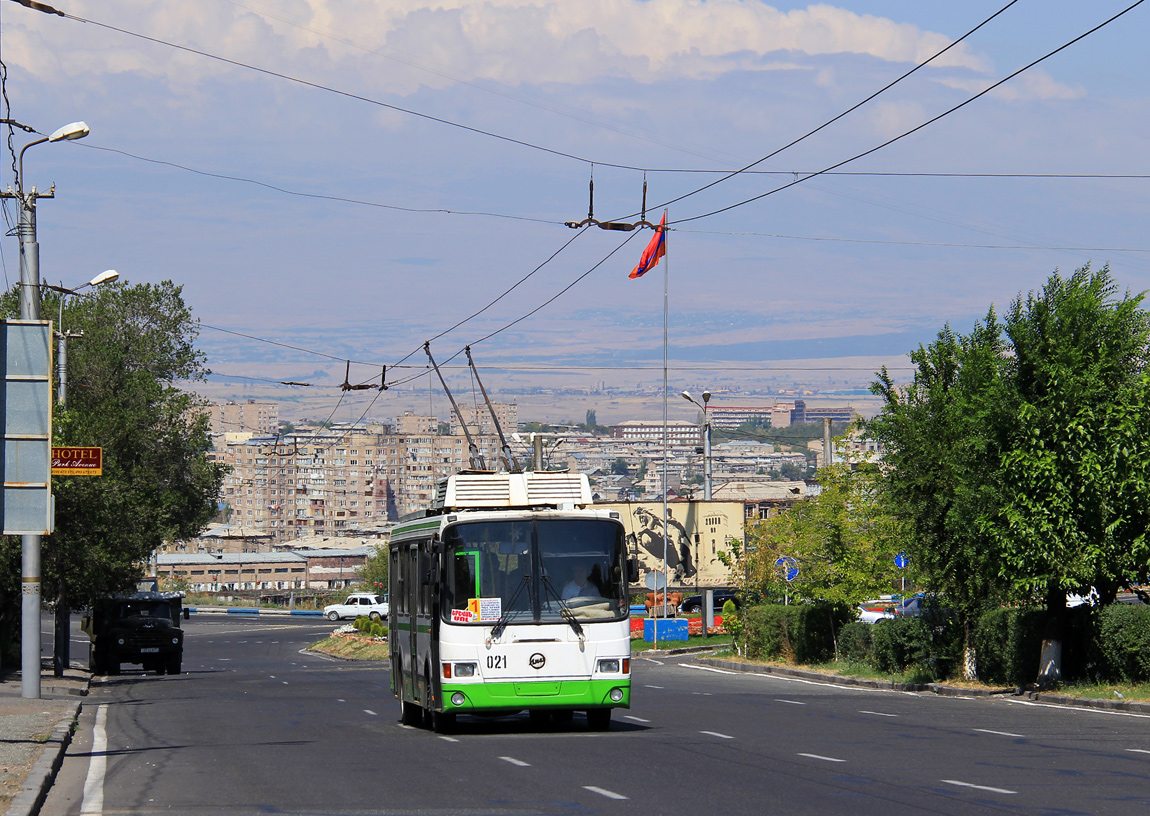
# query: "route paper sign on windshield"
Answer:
x=77 y=461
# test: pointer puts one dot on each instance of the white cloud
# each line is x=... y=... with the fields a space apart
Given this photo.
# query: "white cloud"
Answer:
x=507 y=41
x=1034 y=84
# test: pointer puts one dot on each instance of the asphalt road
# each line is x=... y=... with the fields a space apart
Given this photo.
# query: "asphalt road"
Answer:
x=254 y=726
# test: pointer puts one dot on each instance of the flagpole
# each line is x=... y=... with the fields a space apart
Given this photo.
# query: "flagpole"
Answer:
x=666 y=529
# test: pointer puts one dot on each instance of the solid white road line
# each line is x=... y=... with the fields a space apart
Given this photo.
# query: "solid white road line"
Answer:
x=792 y=702
x=93 y=802
x=604 y=792
x=823 y=758
x=717 y=734
x=640 y=719
x=1076 y=709
x=515 y=761
x=977 y=787
x=878 y=713
x=999 y=733
x=1138 y=751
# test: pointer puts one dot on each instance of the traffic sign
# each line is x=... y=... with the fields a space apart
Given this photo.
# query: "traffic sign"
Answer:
x=789 y=568
x=655 y=580
x=901 y=560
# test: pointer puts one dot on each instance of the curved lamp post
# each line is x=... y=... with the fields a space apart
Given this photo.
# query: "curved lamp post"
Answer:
x=706 y=440
x=62 y=336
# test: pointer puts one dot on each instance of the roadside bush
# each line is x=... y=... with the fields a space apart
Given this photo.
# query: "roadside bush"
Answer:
x=377 y=630
x=733 y=623
x=361 y=623
x=855 y=643
x=1123 y=642
x=929 y=646
x=1008 y=644
x=802 y=633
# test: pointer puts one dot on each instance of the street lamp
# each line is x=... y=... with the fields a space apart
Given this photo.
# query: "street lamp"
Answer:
x=62 y=336
x=30 y=310
x=706 y=440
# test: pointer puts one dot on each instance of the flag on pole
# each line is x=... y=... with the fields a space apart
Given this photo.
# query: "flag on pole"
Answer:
x=654 y=251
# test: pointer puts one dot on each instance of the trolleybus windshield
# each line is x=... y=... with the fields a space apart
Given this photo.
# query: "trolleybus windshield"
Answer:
x=534 y=571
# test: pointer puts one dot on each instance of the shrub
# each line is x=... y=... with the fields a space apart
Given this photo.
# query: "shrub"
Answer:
x=377 y=630
x=1008 y=644
x=733 y=622
x=1123 y=642
x=361 y=623
x=802 y=633
x=929 y=645
x=855 y=643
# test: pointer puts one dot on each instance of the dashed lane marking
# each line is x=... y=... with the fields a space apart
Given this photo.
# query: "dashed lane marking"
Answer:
x=1138 y=751
x=369 y=711
x=717 y=734
x=448 y=739
x=654 y=687
x=604 y=792
x=878 y=713
x=791 y=702
x=518 y=762
x=999 y=733
x=823 y=758
x=977 y=787
x=640 y=719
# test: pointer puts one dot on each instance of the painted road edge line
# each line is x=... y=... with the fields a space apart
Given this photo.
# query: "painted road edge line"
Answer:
x=93 y=801
x=823 y=758
x=605 y=792
x=977 y=787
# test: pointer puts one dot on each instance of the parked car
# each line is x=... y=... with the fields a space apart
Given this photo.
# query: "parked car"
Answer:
x=889 y=607
x=357 y=605
x=694 y=603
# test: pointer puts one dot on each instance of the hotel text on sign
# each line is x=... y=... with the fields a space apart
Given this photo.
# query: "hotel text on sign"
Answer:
x=77 y=461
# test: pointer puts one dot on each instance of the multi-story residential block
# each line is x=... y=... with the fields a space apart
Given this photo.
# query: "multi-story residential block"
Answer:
x=478 y=419
x=239 y=417
x=678 y=431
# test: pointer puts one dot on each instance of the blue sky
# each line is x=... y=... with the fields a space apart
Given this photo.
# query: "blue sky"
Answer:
x=848 y=265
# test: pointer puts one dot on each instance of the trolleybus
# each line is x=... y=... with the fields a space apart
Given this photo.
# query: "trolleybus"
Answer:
x=510 y=594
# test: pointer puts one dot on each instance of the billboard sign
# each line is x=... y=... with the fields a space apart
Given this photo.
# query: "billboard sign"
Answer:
x=77 y=461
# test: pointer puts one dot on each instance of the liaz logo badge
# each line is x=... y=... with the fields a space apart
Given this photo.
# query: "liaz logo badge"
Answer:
x=537 y=661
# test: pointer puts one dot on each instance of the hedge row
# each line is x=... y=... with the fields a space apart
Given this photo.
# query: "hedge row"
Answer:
x=1109 y=644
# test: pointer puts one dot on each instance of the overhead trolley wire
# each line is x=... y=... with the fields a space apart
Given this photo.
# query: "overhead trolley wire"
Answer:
x=834 y=119
x=915 y=129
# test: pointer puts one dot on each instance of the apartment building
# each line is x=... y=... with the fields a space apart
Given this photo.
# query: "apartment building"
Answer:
x=261 y=418
x=678 y=431
x=478 y=419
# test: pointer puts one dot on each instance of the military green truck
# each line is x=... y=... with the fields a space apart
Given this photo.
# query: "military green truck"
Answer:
x=143 y=628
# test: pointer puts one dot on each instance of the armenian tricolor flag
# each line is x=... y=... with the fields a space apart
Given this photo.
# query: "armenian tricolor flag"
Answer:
x=654 y=251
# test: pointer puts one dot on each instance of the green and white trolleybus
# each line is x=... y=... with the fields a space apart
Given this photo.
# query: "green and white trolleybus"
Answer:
x=510 y=594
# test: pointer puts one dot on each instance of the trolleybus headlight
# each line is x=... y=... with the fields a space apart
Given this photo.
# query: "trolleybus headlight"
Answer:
x=464 y=669
x=616 y=695
x=121 y=641
x=611 y=666
x=457 y=698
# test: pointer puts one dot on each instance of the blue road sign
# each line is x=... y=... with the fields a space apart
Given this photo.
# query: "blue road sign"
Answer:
x=901 y=560
x=789 y=568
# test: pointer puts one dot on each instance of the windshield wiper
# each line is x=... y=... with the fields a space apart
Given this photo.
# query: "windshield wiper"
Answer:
x=505 y=616
x=564 y=610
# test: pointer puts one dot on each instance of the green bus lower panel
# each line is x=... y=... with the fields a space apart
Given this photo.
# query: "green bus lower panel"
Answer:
x=513 y=696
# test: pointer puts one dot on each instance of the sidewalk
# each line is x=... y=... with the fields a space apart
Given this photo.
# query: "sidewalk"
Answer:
x=34 y=735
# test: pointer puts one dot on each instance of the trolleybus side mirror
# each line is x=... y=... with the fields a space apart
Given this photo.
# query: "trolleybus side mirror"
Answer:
x=632 y=570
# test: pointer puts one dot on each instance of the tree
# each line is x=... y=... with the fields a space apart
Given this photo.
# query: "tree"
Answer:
x=374 y=572
x=1021 y=454
x=591 y=419
x=843 y=541
x=619 y=468
x=158 y=484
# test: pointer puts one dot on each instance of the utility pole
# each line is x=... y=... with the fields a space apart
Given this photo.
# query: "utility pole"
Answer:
x=828 y=452
x=30 y=310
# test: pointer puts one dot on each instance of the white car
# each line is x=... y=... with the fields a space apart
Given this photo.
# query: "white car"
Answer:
x=358 y=604
x=887 y=608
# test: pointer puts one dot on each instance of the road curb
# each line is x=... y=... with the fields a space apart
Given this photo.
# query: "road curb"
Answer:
x=680 y=651
x=941 y=689
x=39 y=780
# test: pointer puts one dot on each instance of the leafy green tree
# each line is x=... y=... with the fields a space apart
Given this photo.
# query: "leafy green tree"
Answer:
x=619 y=468
x=843 y=541
x=158 y=484
x=1021 y=454
x=943 y=439
x=374 y=572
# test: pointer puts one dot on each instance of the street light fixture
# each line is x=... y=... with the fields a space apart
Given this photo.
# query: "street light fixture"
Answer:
x=706 y=439
x=62 y=336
